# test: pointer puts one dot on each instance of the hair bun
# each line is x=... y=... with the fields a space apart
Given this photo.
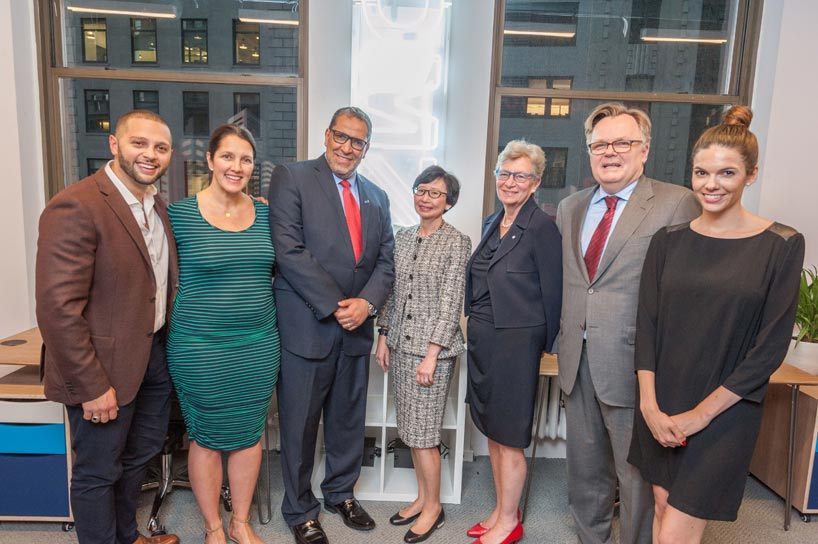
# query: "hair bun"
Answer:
x=738 y=115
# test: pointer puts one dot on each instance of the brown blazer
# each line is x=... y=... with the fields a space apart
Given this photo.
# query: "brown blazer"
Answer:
x=95 y=292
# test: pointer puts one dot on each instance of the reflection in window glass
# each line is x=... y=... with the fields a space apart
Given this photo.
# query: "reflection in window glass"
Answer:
x=247 y=107
x=672 y=46
x=197 y=176
x=146 y=100
x=97 y=111
x=94 y=165
x=194 y=41
x=94 y=40
x=247 y=43
x=143 y=40
x=196 y=113
x=676 y=127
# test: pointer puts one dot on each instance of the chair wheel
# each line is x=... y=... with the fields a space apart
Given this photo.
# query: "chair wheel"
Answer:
x=67 y=526
x=806 y=518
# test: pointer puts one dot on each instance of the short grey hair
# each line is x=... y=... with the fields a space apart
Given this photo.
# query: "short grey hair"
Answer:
x=615 y=109
x=521 y=148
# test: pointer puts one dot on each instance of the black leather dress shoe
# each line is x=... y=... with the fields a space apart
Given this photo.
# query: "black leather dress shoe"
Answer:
x=397 y=519
x=355 y=517
x=310 y=532
x=411 y=537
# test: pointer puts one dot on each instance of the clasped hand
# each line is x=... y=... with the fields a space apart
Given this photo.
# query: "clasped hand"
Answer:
x=351 y=313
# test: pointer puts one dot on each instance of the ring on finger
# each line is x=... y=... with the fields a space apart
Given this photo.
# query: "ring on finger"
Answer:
x=94 y=419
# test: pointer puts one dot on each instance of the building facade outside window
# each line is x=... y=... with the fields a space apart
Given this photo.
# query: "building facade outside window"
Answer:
x=196 y=113
x=97 y=111
x=247 y=107
x=143 y=40
x=94 y=40
x=247 y=40
x=95 y=164
x=194 y=41
x=146 y=100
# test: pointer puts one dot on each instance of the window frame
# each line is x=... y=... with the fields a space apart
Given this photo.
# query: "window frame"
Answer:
x=85 y=101
x=83 y=21
x=206 y=40
x=53 y=69
x=741 y=77
x=236 y=33
x=185 y=106
x=155 y=40
x=143 y=102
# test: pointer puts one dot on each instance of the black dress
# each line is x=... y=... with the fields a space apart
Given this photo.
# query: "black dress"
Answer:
x=712 y=312
x=503 y=363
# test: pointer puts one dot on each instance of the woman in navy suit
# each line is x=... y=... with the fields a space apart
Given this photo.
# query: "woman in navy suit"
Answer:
x=513 y=296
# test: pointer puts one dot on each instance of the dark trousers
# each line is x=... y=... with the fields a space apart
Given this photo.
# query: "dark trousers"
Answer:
x=110 y=459
x=337 y=387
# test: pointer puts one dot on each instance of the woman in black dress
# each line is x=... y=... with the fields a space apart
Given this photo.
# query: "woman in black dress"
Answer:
x=717 y=304
x=513 y=295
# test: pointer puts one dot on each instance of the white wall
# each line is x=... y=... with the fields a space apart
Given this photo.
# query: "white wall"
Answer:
x=786 y=117
x=22 y=182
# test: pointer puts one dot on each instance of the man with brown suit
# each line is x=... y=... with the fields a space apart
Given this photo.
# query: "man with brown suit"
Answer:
x=106 y=269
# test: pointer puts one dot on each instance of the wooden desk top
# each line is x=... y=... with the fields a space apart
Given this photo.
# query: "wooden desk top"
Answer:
x=790 y=375
x=548 y=365
x=23 y=383
x=22 y=348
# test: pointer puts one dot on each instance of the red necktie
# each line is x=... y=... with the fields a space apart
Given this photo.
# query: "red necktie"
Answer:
x=353 y=220
x=594 y=251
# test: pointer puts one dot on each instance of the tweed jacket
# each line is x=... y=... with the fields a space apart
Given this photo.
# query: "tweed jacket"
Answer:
x=426 y=300
x=603 y=312
x=95 y=292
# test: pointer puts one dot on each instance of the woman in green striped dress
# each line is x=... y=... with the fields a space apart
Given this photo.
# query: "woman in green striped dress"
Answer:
x=223 y=347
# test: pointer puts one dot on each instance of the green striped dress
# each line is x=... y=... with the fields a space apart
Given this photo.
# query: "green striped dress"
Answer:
x=223 y=347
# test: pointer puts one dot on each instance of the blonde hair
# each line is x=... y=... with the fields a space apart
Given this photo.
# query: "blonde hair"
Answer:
x=520 y=148
x=615 y=109
x=733 y=133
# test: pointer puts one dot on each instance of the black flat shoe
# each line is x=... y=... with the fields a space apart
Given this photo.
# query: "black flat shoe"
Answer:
x=355 y=517
x=397 y=519
x=412 y=537
x=309 y=532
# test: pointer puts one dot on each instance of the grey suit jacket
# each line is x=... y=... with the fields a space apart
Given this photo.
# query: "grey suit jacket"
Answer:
x=316 y=264
x=605 y=310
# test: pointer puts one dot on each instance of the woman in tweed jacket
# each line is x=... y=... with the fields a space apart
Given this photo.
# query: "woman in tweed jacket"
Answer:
x=420 y=337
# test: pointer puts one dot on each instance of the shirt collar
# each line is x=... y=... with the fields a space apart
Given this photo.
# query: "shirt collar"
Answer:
x=353 y=179
x=624 y=194
x=126 y=193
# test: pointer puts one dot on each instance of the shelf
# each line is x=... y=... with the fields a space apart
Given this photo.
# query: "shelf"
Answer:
x=374 y=411
x=401 y=483
x=368 y=487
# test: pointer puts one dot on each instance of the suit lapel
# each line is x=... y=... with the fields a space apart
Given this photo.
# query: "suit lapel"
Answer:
x=123 y=212
x=636 y=209
x=367 y=211
x=326 y=181
x=577 y=222
x=515 y=232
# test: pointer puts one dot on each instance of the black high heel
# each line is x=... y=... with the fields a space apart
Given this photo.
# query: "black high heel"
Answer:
x=411 y=537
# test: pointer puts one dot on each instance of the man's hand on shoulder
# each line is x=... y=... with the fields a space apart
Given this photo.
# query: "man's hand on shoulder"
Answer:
x=104 y=408
x=352 y=312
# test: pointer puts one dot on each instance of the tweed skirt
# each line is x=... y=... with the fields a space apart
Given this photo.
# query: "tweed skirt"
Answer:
x=419 y=408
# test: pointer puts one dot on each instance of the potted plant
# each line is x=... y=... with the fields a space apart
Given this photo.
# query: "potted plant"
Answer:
x=803 y=351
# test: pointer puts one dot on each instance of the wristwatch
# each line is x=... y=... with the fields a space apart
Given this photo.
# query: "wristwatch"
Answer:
x=372 y=310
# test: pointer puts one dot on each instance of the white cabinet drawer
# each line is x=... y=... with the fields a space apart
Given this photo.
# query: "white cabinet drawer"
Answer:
x=41 y=411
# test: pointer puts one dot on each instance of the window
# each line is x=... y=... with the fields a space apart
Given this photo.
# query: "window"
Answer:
x=146 y=100
x=196 y=113
x=682 y=62
x=247 y=110
x=143 y=40
x=197 y=176
x=247 y=40
x=97 y=111
x=94 y=40
x=95 y=164
x=194 y=41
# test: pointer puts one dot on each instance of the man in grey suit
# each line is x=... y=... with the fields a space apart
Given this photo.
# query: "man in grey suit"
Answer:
x=606 y=230
x=334 y=246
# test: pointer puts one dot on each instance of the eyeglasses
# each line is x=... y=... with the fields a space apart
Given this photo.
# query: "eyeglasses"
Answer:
x=620 y=146
x=518 y=177
x=431 y=192
x=342 y=138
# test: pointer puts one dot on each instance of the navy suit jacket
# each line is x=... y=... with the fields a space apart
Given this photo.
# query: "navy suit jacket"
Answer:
x=316 y=264
x=525 y=274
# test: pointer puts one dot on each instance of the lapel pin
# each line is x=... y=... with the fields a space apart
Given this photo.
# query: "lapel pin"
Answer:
x=366 y=202
x=513 y=236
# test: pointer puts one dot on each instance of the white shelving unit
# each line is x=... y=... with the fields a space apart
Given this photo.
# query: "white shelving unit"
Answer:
x=384 y=482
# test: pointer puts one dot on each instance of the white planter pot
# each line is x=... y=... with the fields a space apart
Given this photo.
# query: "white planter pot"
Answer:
x=805 y=356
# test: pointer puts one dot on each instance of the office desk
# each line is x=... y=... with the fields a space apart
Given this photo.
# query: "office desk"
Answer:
x=35 y=443
x=548 y=370
x=769 y=448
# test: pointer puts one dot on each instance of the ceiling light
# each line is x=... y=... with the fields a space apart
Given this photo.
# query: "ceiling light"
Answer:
x=682 y=36
x=135 y=9
x=268 y=17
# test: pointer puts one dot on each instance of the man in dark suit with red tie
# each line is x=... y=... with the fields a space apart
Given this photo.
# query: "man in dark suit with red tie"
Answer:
x=332 y=234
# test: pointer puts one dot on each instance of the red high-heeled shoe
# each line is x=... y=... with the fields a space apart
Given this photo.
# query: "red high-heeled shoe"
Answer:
x=515 y=535
x=477 y=530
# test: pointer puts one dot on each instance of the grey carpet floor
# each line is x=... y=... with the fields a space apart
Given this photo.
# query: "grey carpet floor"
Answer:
x=760 y=518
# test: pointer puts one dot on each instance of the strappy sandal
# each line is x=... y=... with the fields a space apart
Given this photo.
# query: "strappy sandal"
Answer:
x=213 y=530
x=237 y=520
